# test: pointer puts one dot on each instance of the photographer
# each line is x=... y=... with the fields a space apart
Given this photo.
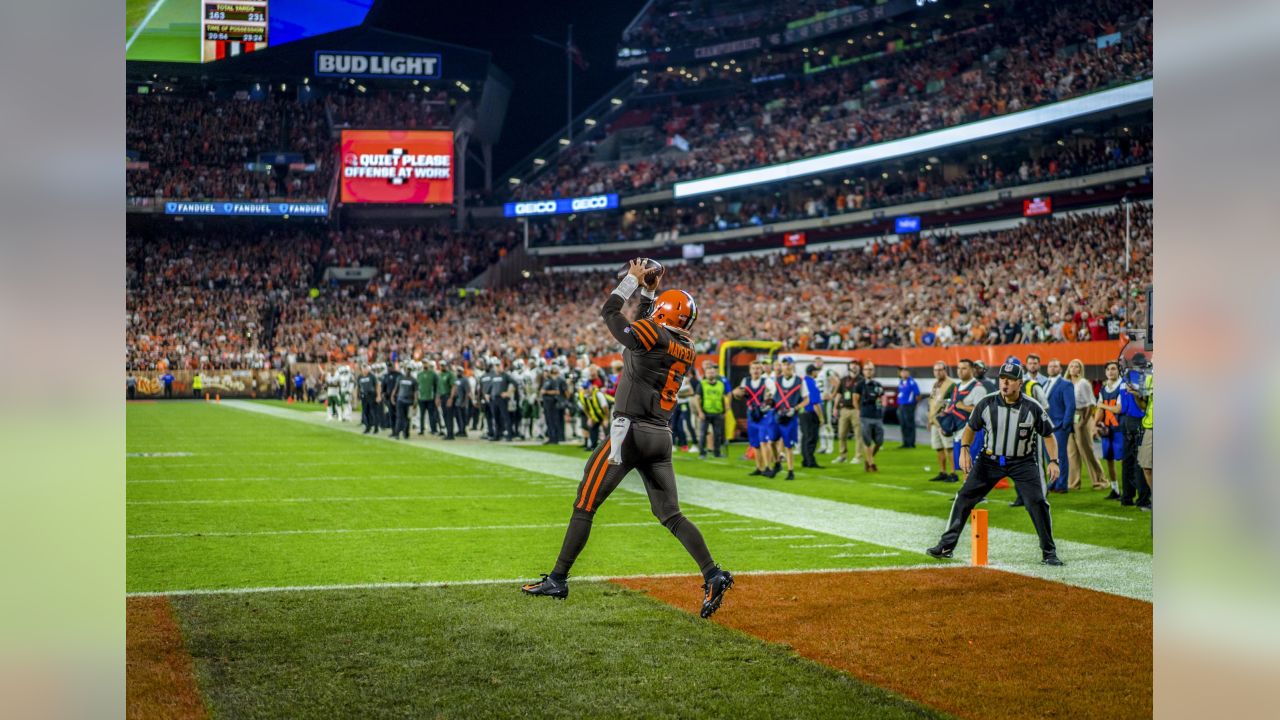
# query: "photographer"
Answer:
x=868 y=394
x=1133 y=401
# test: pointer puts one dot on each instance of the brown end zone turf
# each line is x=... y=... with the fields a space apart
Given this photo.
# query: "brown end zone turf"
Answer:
x=973 y=642
x=160 y=677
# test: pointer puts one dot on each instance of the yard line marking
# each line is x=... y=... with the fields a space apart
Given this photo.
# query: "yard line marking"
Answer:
x=304 y=478
x=143 y=25
x=890 y=487
x=1101 y=515
x=158 y=454
x=1105 y=569
x=356 y=531
x=824 y=545
x=939 y=492
x=756 y=529
x=782 y=537
x=242 y=501
x=517 y=581
x=866 y=555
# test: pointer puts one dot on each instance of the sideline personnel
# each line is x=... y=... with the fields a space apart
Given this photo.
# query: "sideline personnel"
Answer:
x=1012 y=421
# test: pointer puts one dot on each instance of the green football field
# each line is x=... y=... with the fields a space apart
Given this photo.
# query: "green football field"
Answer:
x=162 y=30
x=319 y=572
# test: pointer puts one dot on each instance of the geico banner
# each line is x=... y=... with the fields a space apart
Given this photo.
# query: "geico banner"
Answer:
x=337 y=63
x=397 y=166
x=561 y=206
x=268 y=209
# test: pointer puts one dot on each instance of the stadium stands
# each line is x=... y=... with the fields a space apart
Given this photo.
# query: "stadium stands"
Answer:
x=980 y=173
x=232 y=302
x=829 y=97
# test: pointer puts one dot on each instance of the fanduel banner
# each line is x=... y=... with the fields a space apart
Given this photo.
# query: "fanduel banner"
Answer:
x=268 y=209
x=562 y=206
x=335 y=63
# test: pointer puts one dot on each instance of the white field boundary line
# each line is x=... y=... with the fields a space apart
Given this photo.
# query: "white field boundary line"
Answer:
x=316 y=478
x=515 y=582
x=357 y=498
x=1120 y=572
x=145 y=21
x=1101 y=515
x=441 y=528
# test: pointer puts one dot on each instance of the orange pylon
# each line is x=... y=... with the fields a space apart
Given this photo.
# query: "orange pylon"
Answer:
x=978 y=547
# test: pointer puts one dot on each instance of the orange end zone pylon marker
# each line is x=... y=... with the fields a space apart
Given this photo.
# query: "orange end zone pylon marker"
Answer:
x=1002 y=484
x=978 y=547
x=206 y=397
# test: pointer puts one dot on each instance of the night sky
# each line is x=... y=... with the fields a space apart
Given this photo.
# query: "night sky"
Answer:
x=506 y=29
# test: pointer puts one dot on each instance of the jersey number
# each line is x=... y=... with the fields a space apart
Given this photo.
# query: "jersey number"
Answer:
x=667 y=398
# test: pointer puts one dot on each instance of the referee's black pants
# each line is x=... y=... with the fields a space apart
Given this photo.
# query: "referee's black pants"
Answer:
x=985 y=473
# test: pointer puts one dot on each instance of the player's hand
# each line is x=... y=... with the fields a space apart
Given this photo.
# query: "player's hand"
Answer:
x=1053 y=471
x=636 y=269
x=966 y=462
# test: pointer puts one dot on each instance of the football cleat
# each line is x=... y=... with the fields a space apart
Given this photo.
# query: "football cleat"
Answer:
x=714 y=590
x=547 y=586
x=939 y=552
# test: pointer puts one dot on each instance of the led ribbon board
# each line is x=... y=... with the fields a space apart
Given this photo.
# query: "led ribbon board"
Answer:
x=925 y=142
x=561 y=206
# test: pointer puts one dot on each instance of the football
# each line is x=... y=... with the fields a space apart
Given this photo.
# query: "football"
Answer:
x=653 y=270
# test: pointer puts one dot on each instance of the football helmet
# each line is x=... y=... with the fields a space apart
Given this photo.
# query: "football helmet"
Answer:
x=675 y=309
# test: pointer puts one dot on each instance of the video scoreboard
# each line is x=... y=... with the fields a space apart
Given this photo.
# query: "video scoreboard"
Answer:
x=230 y=29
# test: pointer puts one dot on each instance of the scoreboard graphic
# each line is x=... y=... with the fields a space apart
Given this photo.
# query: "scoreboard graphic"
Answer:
x=230 y=29
x=396 y=166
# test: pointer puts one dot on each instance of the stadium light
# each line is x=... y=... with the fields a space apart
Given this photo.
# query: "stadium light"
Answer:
x=589 y=122
x=564 y=141
x=539 y=161
x=514 y=181
x=924 y=142
x=616 y=101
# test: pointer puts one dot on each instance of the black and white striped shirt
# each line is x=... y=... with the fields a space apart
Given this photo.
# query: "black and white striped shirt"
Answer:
x=1012 y=430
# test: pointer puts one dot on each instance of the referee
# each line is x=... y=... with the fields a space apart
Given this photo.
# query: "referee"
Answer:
x=1012 y=421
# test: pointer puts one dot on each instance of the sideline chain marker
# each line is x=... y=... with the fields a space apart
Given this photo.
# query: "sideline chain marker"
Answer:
x=978 y=548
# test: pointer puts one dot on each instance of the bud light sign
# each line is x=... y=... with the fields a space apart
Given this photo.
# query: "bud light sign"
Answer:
x=561 y=206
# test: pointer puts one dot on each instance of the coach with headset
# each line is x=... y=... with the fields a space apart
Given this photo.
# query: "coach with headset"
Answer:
x=1012 y=421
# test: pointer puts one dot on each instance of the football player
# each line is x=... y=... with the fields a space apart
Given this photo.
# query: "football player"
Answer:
x=658 y=351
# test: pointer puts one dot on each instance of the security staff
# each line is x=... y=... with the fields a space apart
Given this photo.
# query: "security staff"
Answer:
x=1012 y=422
x=811 y=419
x=708 y=405
x=368 y=388
x=389 y=383
x=405 y=392
x=427 y=398
x=197 y=384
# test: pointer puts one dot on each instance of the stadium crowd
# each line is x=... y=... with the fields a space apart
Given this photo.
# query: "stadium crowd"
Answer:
x=1024 y=55
x=233 y=301
x=861 y=193
x=196 y=146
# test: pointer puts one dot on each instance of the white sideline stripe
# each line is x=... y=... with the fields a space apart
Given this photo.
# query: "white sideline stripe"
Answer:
x=140 y=27
x=519 y=581
x=356 y=531
x=824 y=545
x=1101 y=515
x=866 y=555
x=756 y=529
x=939 y=492
x=782 y=537
x=1120 y=572
x=304 y=478
x=889 y=487
x=358 y=498
x=157 y=454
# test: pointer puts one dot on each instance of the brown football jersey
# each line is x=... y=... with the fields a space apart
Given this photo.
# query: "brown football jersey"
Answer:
x=654 y=363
